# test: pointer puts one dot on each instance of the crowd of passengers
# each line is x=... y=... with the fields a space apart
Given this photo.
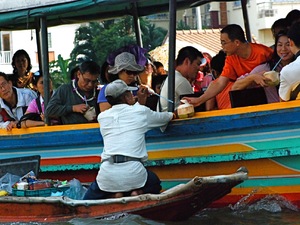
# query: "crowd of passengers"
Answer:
x=239 y=65
x=126 y=101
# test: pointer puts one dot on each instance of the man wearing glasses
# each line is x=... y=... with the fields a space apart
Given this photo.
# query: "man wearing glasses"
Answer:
x=77 y=102
x=242 y=57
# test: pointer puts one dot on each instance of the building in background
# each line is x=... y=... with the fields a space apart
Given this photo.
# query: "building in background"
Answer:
x=262 y=14
x=216 y=15
x=60 y=41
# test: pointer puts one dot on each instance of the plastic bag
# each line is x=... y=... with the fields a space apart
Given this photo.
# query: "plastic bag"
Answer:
x=76 y=190
x=7 y=181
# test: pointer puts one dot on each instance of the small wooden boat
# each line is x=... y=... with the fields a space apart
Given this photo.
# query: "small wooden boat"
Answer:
x=177 y=203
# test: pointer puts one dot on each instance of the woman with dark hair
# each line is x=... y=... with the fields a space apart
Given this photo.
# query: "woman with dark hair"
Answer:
x=21 y=63
x=255 y=78
x=13 y=102
x=125 y=68
x=37 y=105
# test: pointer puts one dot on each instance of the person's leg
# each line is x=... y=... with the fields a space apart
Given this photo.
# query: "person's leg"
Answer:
x=94 y=192
x=152 y=184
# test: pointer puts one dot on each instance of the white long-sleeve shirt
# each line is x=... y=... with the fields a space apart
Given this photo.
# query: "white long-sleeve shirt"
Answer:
x=123 y=129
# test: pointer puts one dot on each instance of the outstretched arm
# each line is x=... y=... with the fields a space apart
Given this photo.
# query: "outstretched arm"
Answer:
x=214 y=88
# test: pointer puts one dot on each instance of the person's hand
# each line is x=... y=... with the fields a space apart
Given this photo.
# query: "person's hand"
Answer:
x=142 y=94
x=192 y=100
x=259 y=79
x=12 y=124
x=42 y=116
x=81 y=108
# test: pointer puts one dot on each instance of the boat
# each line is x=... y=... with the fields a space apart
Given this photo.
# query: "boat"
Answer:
x=175 y=204
x=263 y=138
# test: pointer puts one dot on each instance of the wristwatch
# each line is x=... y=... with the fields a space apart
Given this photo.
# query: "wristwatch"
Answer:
x=19 y=124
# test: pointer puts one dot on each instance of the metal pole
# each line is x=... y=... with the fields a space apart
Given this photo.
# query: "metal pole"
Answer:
x=137 y=27
x=43 y=37
x=38 y=42
x=246 y=20
x=172 y=47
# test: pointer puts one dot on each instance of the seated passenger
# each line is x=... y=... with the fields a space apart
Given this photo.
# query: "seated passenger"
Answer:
x=37 y=105
x=21 y=63
x=242 y=57
x=126 y=69
x=289 y=75
x=13 y=101
x=221 y=101
x=256 y=79
x=77 y=102
x=280 y=25
x=123 y=129
x=187 y=66
x=159 y=68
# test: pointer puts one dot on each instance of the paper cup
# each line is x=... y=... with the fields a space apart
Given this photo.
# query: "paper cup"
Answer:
x=90 y=114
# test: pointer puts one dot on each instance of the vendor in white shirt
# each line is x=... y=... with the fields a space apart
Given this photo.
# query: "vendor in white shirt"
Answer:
x=123 y=129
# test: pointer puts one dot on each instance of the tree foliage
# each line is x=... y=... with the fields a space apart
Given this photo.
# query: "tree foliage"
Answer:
x=98 y=39
x=59 y=71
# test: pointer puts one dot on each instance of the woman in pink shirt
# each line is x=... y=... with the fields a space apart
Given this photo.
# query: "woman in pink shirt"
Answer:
x=37 y=105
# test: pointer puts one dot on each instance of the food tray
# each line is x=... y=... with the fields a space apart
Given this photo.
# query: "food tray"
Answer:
x=38 y=193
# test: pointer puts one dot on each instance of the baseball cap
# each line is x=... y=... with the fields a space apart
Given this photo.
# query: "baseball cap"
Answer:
x=117 y=88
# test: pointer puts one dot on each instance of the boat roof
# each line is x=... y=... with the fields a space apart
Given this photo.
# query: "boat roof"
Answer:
x=20 y=14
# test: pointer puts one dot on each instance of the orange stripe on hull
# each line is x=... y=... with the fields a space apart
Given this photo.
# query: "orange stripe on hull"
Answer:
x=259 y=167
x=199 y=151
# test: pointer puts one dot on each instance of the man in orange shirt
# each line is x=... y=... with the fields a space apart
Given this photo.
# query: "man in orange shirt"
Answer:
x=241 y=58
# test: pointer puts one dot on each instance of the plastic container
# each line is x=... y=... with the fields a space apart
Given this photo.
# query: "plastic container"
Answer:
x=22 y=186
x=40 y=184
x=38 y=193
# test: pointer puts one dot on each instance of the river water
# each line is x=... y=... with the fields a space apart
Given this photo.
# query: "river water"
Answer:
x=272 y=210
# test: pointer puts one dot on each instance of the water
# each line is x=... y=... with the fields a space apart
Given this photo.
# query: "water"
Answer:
x=272 y=210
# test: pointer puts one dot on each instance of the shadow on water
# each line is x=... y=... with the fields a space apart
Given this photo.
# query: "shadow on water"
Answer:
x=271 y=210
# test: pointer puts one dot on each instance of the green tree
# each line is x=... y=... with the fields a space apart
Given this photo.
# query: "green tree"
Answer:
x=97 y=40
x=152 y=36
x=59 y=71
x=84 y=43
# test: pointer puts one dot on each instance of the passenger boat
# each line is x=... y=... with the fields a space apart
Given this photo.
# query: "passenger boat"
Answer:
x=263 y=138
x=177 y=203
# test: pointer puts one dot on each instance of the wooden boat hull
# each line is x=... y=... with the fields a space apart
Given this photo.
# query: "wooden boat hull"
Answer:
x=178 y=203
x=264 y=138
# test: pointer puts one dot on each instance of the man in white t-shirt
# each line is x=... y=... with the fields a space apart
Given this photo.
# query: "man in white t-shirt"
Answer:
x=123 y=129
x=188 y=62
x=290 y=74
